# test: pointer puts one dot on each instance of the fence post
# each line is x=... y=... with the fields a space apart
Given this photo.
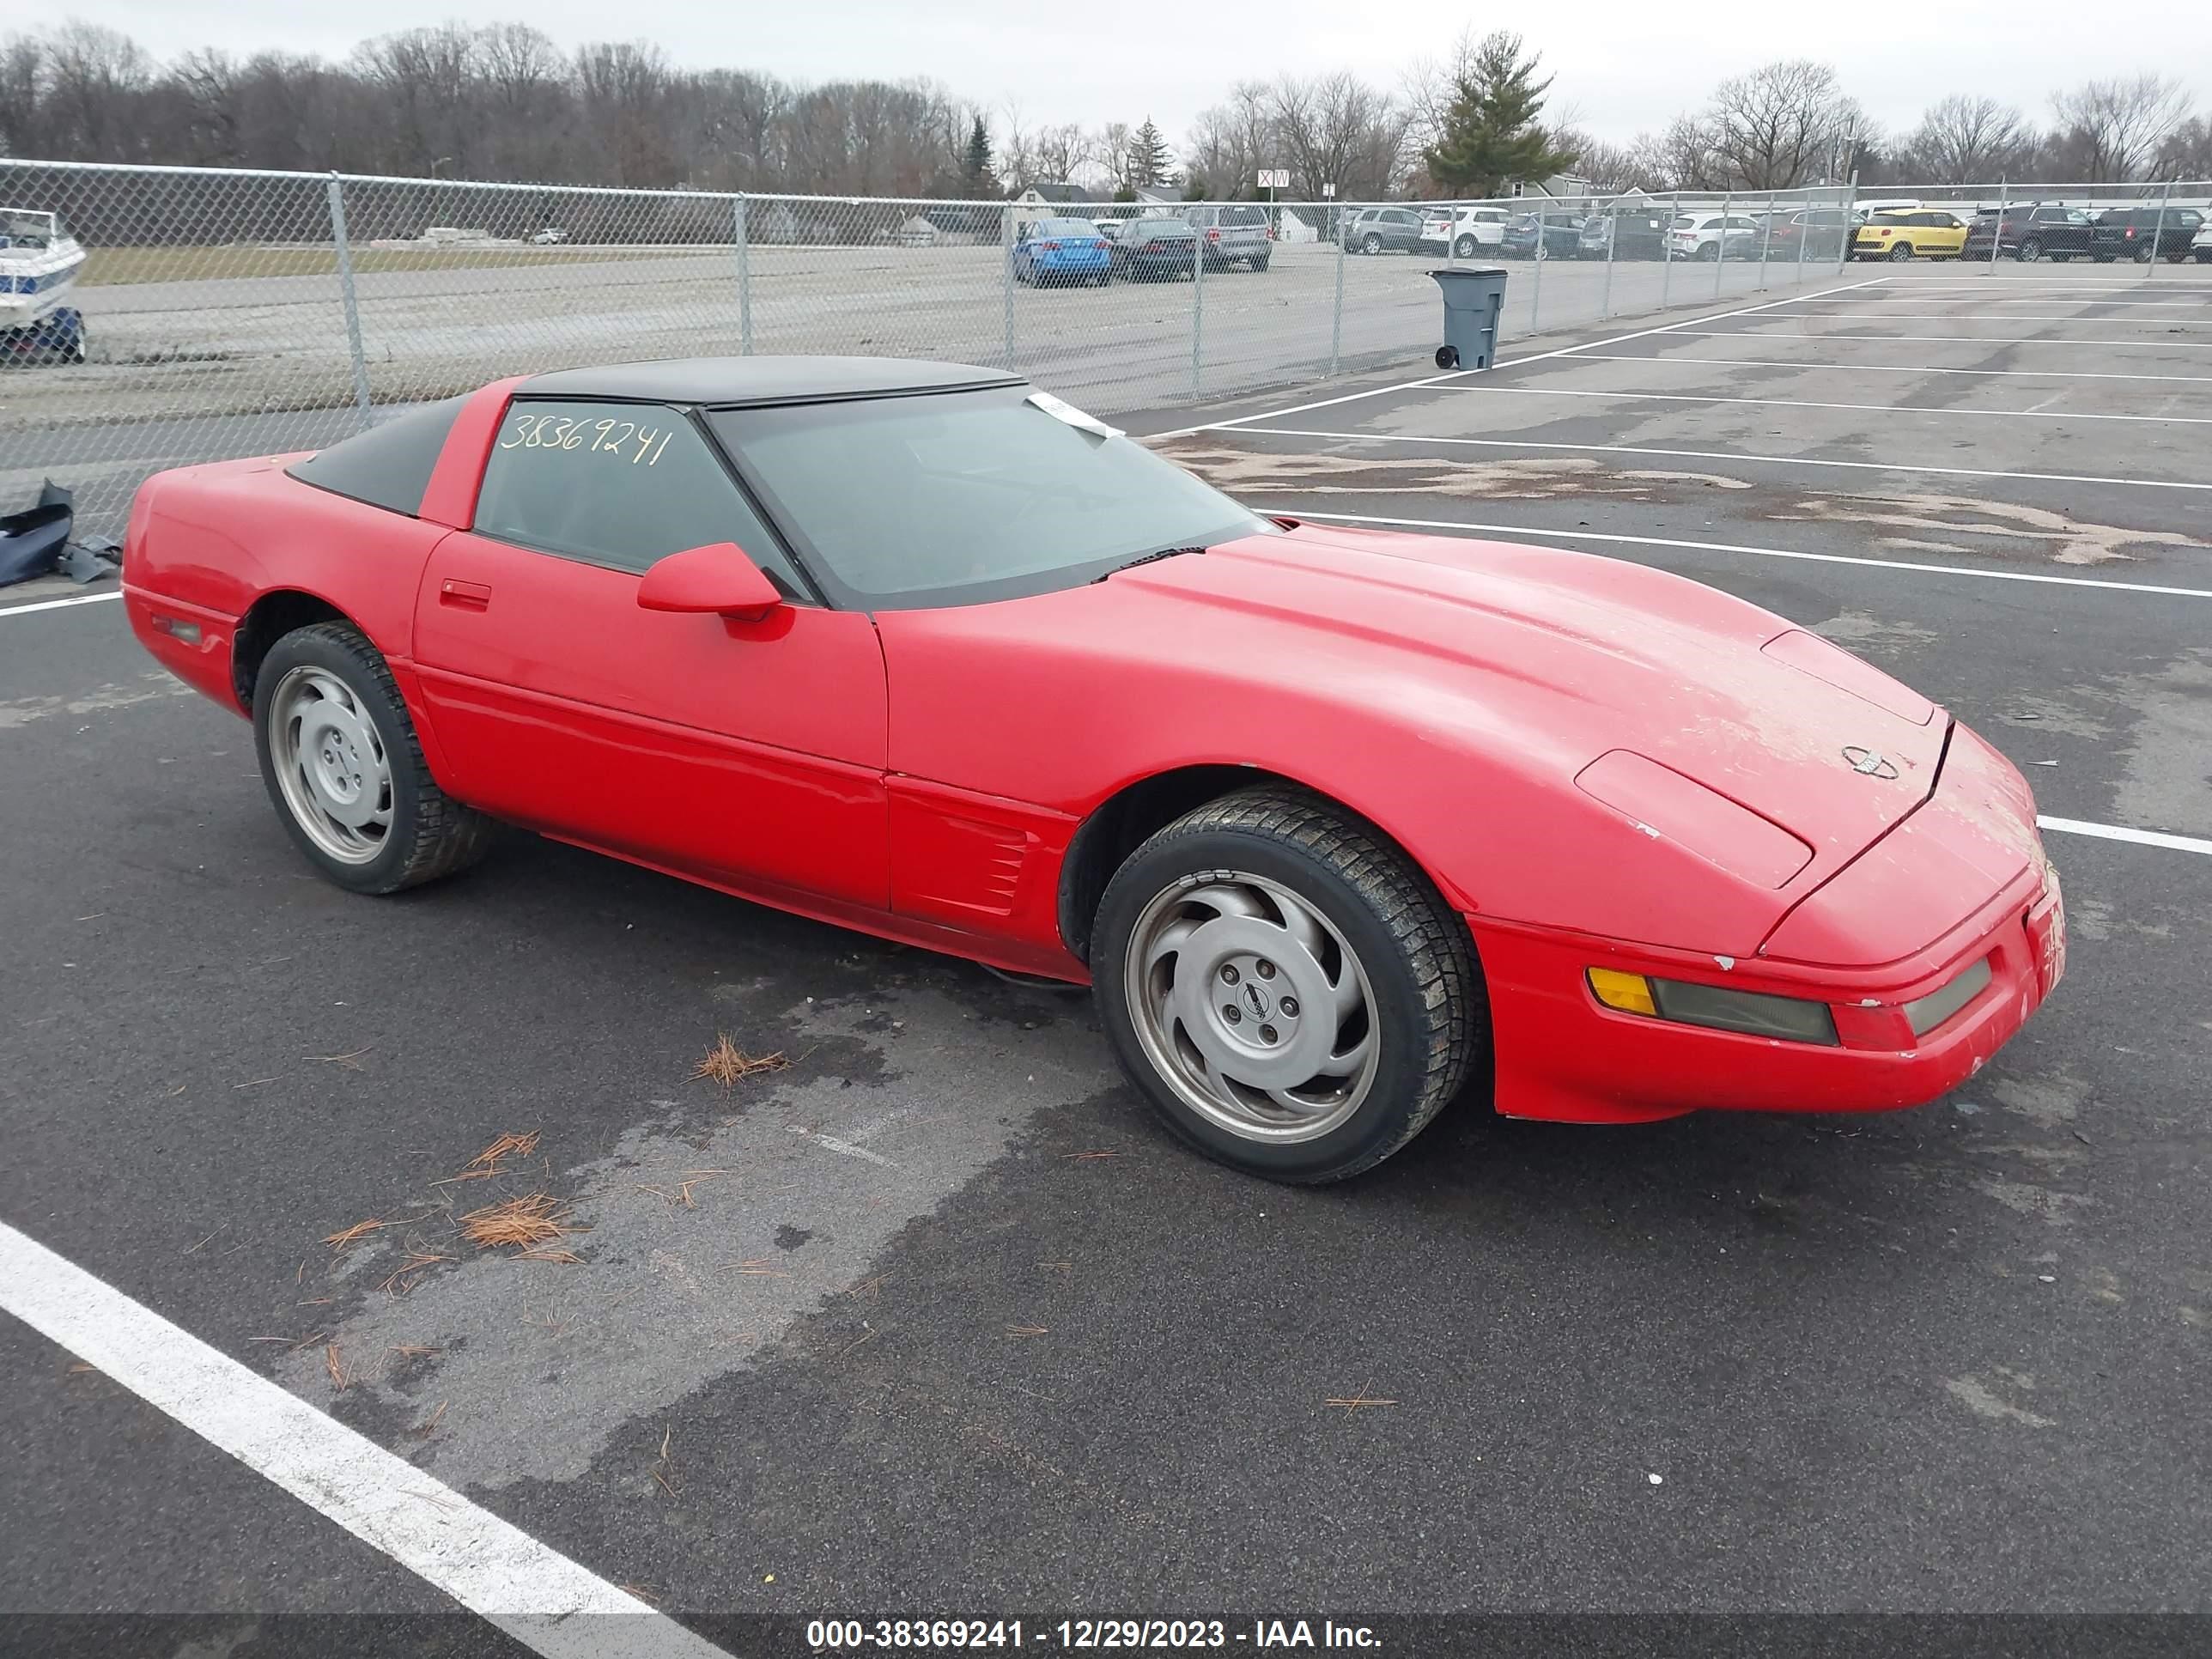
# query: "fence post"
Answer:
x=1538 y=259
x=1766 y=239
x=1667 y=250
x=2158 y=235
x=337 y=196
x=1720 y=241
x=1336 y=317
x=745 y=277
x=1804 y=234
x=1846 y=234
x=1198 y=316
x=1997 y=226
x=1007 y=273
x=1611 y=237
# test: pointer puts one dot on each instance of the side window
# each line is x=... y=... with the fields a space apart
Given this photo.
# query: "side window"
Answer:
x=622 y=485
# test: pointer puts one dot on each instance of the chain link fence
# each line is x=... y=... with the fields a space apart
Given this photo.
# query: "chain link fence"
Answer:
x=229 y=313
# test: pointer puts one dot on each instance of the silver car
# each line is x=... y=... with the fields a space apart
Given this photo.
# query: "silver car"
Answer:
x=1231 y=232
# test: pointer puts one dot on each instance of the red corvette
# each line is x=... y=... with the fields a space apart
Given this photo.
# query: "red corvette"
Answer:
x=1335 y=823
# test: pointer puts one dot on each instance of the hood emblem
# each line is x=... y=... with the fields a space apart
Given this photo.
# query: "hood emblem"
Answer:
x=1867 y=763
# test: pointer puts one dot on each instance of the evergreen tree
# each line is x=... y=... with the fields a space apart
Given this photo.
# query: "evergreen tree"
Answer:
x=1490 y=135
x=976 y=175
x=1148 y=156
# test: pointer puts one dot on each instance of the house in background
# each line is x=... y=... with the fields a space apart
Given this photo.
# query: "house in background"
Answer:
x=1051 y=196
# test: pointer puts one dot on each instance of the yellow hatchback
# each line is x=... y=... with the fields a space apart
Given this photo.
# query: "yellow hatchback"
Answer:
x=1911 y=234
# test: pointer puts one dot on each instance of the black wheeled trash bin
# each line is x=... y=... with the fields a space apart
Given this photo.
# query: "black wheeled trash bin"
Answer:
x=1474 y=296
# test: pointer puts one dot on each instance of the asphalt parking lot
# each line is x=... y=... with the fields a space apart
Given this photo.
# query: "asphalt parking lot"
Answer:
x=933 y=1321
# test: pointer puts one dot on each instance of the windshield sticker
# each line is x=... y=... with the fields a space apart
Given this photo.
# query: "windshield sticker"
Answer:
x=1072 y=415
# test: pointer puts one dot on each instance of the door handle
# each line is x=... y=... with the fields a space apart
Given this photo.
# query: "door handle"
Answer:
x=469 y=596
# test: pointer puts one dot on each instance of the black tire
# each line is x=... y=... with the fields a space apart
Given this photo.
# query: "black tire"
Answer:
x=1900 y=251
x=1447 y=357
x=1370 y=243
x=1464 y=248
x=2031 y=251
x=1430 y=1016
x=431 y=834
x=2143 y=254
x=1709 y=249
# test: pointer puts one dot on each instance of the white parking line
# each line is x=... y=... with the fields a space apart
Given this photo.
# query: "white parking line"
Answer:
x=1739 y=457
x=1800 y=403
x=1535 y=357
x=1893 y=368
x=532 y=1592
x=1956 y=339
x=2007 y=317
x=2117 y=832
x=1523 y=530
x=2059 y=298
x=55 y=605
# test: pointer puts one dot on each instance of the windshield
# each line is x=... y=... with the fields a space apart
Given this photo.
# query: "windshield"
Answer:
x=958 y=498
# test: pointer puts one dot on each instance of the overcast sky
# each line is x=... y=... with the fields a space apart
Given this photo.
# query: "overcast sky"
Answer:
x=1622 y=66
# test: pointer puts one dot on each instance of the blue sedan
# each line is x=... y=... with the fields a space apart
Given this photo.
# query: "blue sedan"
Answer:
x=1062 y=252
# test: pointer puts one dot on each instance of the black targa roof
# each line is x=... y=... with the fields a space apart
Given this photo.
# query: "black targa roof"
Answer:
x=731 y=381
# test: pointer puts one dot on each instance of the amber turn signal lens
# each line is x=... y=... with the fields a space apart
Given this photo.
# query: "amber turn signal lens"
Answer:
x=1630 y=993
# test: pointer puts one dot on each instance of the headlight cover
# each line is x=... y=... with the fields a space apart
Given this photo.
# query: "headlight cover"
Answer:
x=1717 y=1007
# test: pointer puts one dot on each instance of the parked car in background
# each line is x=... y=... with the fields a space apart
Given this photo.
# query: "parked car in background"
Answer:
x=1715 y=236
x=1801 y=235
x=1920 y=234
x=1232 y=232
x=1625 y=234
x=1111 y=228
x=1561 y=236
x=2029 y=231
x=1147 y=250
x=2200 y=244
x=1061 y=254
x=1383 y=230
x=549 y=236
x=2143 y=233
x=1464 y=233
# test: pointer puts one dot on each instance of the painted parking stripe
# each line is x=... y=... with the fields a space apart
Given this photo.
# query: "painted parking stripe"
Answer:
x=2120 y=832
x=1801 y=403
x=56 y=604
x=1894 y=368
x=1535 y=357
x=2008 y=317
x=1955 y=339
x=1736 y=456
x=532 y=1592
x=1512 y=530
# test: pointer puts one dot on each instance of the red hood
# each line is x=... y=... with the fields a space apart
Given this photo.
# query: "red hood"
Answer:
x=1529 y=721
x=1595 y=654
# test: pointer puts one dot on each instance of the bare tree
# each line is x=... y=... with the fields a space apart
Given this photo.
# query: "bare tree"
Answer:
x=1230 y=143
x=1964 y=139
x=1336 y=130
x=2116 y=126
x=1062 y=151
x=1781 y=125
x=2186 y=153
x=94 y=79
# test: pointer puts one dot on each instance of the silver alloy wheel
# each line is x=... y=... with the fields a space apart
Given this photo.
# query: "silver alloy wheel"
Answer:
x=1252 y=1007
x=330 y=764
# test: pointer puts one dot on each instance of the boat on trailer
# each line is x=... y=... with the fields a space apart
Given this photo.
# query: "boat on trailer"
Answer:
x=39 y=260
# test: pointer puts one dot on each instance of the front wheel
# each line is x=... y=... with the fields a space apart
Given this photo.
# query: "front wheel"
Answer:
x=1447 y=356
x=1287 y=989
x=345 y=771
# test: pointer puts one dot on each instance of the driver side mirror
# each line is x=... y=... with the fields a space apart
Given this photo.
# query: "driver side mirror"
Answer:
x=716 y=580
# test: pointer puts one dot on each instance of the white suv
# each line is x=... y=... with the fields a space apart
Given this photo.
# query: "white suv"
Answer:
x=1464 y=233
x=2200 y=246
x=1713 y=236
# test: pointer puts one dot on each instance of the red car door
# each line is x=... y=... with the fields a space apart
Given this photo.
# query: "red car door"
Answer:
x=750 y=753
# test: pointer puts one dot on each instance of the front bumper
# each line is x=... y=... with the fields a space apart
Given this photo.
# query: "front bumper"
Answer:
x=1560 y=1055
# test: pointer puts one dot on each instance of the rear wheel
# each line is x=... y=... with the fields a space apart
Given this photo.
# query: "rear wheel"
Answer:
x=2031 y=251
x=1370 y=243
x=2142 y=253
x=1464 y=248
x=1288 y=990
x=1709 y=249
x=344 y=769
x=1900 y=251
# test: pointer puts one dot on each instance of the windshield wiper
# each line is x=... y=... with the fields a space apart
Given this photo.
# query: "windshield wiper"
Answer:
x=1147 y=558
